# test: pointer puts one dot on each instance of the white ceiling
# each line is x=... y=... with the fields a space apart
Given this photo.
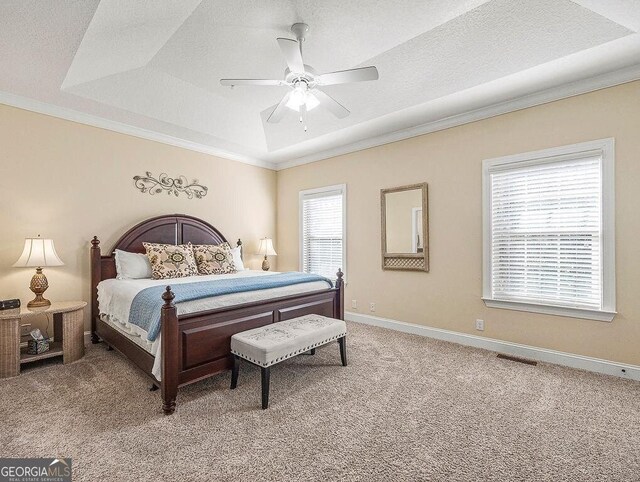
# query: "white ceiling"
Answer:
x=153 y=68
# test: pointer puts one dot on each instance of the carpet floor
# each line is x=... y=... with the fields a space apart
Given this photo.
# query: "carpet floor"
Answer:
x=406 y=408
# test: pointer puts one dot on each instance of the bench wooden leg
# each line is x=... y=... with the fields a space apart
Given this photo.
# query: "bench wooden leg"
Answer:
x=312 y=351
x=266 y=372
x=343 y=350
x=234 y=371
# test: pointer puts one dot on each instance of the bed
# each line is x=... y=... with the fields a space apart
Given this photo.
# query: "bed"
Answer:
x=194 y=337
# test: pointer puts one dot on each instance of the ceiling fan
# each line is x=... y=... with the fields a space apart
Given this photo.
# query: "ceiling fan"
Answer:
x=305 y=83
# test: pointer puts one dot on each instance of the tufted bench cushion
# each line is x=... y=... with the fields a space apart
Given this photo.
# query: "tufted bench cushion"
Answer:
x=273 y=343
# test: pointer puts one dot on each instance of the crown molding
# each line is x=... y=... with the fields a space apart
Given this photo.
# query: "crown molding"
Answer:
x=545 y=96
x=571 y=89
x=122 y=128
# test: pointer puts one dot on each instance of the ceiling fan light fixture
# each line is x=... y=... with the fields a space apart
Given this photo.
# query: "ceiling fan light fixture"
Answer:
x=301 y=96
x=312 y=101
x=297 y=98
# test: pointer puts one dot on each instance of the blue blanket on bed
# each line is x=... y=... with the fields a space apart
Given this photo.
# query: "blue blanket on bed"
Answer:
x=147 y=305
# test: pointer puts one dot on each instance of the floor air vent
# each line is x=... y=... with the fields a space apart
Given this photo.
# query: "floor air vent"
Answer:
x=517 y=359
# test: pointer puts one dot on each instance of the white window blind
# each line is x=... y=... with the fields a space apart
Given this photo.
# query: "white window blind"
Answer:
x=546 y=239
x=549 y=231
x=322 y=231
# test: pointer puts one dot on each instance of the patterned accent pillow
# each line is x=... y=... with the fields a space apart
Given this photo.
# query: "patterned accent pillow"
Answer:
x=170 y=261
x=214 y=259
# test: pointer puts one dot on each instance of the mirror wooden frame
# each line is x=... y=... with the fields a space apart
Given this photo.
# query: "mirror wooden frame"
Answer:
x=406 y=261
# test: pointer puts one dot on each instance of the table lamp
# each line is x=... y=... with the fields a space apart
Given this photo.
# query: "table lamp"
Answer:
x=38 y=253
x=266 y=248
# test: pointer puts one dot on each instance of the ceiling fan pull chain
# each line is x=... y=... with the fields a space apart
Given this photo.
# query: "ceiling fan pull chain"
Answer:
x=303 y=116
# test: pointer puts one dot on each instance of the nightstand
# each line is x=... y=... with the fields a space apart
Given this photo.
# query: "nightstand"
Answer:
x=68 y=335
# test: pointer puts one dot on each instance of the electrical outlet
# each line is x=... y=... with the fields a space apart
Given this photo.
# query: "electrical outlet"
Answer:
x=372 y=307
x=354 y=304
x=480 y=325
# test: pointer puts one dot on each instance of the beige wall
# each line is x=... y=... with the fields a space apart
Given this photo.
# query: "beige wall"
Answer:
x=69 y=181
x=450 y=161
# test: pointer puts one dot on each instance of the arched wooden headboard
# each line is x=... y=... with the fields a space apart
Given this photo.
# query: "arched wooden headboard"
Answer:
x=174 y=229
x=170 y=229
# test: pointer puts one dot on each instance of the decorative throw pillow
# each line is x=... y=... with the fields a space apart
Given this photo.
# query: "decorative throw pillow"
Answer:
x=170 y=261
x=214 y=259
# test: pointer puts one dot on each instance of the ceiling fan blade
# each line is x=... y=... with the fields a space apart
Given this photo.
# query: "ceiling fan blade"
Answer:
x=346 y=76
x=292 y=54
x=278 y=112
x=335 y=107
x=233 y=82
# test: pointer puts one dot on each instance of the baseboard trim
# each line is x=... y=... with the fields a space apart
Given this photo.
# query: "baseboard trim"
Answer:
x=597 y=365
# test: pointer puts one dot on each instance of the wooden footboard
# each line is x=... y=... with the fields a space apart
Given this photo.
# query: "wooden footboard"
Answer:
x=196 y=345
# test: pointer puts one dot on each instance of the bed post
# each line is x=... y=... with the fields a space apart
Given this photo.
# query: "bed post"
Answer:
x=96 y=277
x=340 y=301
x=169 y=350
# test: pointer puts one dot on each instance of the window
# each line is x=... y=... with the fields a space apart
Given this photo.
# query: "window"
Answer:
x=548 y=220
x=322 y=230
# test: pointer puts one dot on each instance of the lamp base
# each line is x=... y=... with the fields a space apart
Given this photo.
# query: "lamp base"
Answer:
x=265 y=264
x=38 y=302
x=39 y=285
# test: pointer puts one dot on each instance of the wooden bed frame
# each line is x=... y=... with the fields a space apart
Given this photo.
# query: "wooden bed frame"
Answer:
x=195 y=346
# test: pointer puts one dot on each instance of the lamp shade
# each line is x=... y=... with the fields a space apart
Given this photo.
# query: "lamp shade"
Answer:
x=37 y=253
x=266 y=247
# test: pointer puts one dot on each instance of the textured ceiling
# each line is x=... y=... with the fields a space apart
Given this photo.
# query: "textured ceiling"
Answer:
x=156 y=65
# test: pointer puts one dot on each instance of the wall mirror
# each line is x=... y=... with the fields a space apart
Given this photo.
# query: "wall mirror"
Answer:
x=405 y=228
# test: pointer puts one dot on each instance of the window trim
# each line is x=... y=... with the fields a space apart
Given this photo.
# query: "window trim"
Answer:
x=601 y=147
x=342 y=189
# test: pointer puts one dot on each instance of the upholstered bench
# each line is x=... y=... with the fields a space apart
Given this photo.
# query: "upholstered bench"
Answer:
x=271 y=344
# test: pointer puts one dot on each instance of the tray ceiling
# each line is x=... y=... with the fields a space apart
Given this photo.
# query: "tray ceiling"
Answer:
x=153 y=68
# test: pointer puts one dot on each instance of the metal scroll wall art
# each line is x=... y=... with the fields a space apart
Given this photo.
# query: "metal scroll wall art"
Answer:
x=170 y=185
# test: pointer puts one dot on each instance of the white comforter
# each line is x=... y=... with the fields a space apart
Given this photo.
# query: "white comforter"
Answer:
x=115 y=298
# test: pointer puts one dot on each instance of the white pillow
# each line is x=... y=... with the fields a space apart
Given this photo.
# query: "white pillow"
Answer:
x=237 y=258
x=132 y=265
